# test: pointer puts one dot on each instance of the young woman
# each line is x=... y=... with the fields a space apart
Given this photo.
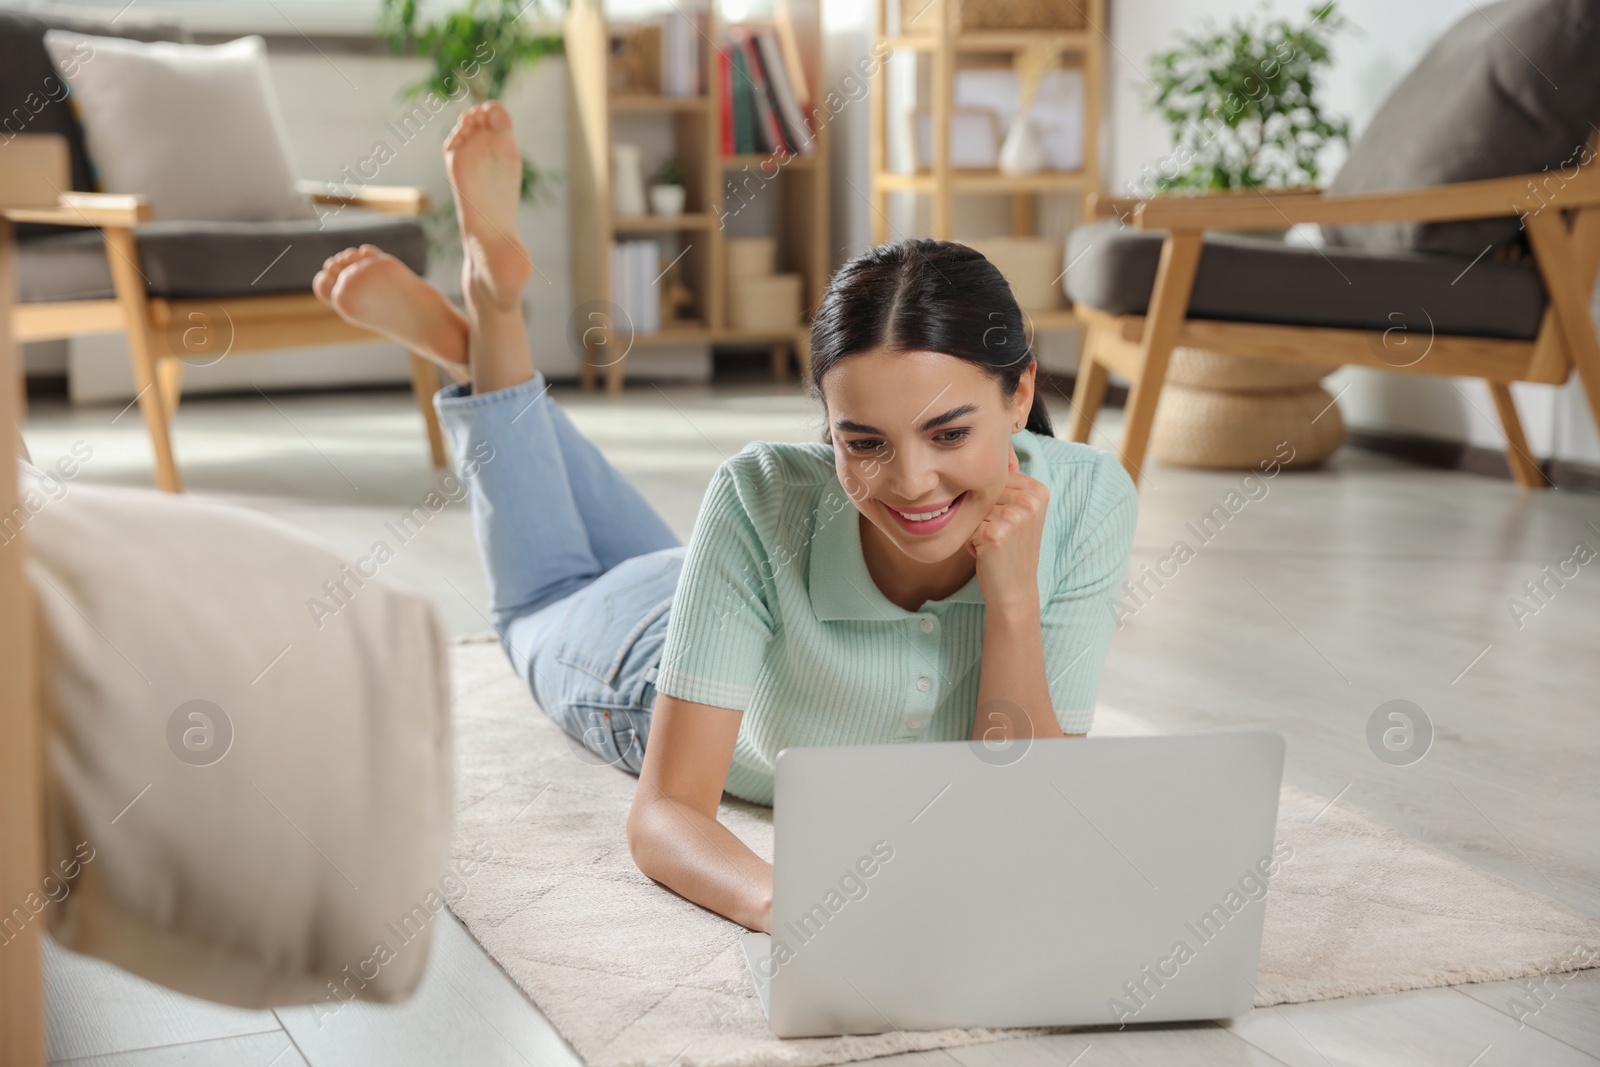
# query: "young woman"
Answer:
x=938 y=567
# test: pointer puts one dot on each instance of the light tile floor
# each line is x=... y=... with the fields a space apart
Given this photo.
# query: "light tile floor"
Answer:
x=1325 y=595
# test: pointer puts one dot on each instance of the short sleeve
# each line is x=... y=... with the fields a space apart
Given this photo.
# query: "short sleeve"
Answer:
x=722 y=617
x=1079 y=618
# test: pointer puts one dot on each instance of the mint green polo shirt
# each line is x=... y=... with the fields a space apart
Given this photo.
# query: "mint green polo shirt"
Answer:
x=776 y=616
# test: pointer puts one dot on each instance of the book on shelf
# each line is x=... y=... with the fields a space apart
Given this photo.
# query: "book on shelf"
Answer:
x=739 y=86
x=681 y=33
x=784 y=96
x=725 y=101
x=636 y=283
x=769 y=133
x=764 y=98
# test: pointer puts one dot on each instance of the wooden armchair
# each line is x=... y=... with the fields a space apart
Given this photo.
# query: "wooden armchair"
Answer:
x=1473 y=165
x=1563 y=227
x=165 y=330
x=178 y=290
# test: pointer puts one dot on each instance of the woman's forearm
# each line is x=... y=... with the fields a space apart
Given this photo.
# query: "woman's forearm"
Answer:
x=701 y=860
x=1012 y=678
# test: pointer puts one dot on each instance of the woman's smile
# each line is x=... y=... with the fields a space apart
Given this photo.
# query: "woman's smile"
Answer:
x=927 y=519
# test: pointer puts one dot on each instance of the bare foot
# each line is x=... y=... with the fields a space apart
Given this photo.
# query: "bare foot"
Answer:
x=374 y=290
x=485 y=171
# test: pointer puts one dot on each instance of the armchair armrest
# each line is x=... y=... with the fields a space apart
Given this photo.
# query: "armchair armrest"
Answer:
x=1518 y=195
x=88 y=209
x=36 y=170
x=392 y=199
x=1102 y=205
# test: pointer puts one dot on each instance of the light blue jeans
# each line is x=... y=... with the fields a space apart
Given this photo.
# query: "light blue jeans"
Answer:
x=582 y=570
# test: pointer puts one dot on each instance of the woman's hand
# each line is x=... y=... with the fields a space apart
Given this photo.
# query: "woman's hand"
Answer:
x=1006 y=542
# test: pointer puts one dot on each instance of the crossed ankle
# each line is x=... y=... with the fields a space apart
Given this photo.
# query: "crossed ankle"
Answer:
x=482 y=295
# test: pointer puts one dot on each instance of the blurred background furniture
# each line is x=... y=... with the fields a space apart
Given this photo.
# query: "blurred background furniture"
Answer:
x=725 y=187
x=179 y=290
x=35 y=166
x=1461 y=237
x=100 y=713
x=1500 y=321
x=994 y=56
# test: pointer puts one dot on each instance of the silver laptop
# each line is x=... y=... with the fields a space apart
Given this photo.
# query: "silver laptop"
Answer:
x=1066 y=881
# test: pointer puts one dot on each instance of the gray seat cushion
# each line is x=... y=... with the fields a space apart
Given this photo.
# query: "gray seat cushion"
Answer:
x=1483 y=103
x=1253 y=279
x=213 y=259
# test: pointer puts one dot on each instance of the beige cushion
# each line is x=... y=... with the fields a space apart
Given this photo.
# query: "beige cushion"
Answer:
x=252 y=869
x=195 y=128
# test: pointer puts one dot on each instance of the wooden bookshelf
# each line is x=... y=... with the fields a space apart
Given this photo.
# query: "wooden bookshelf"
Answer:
x=943 y=46
x=798 y=184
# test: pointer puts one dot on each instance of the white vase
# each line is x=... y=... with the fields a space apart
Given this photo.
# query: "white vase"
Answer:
x=1022 y=152
x=667 y=199
x=627 y=179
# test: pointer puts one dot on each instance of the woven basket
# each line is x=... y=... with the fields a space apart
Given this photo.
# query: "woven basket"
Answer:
x=1202 y=369
x=1001 y=14
x=1241 y=430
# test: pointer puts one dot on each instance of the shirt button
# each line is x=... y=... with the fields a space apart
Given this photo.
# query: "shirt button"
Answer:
x=927 y=626
x=924 y=684
x=915 y=724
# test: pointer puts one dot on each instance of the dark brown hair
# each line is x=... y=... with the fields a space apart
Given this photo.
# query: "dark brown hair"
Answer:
x=920 y=294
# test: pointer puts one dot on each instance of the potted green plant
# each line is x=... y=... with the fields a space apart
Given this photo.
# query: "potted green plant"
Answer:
x=475 y=49
x=1242 y=104
x=667 y=191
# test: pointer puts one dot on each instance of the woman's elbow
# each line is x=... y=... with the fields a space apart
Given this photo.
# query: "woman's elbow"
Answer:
x=639 y=836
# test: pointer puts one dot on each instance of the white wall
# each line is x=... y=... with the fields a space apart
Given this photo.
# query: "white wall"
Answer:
x=1384 y=41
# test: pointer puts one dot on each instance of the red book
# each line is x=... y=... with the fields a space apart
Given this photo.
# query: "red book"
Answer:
x=725 y=99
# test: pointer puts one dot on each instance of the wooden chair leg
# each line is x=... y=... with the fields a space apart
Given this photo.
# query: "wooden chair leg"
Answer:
x=153 y=406
x=1524 y=468
x=122 y=255
x=779 y=354
x=169 y=379
x=1169 y=302
x=424 y=383
x=1563 y=275
x=1088 y=392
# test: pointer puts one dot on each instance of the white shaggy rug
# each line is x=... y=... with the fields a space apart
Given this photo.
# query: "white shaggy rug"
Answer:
x=633 y=975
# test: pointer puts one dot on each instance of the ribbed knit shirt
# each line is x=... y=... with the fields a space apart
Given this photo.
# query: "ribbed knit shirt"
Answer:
x=775 y=614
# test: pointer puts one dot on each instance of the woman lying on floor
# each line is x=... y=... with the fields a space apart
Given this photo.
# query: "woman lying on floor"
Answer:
x=940 y=567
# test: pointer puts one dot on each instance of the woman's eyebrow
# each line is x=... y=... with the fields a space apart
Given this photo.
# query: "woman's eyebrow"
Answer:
x=852 y=426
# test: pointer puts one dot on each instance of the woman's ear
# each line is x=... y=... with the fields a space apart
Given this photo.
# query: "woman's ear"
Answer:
x=1022 y=402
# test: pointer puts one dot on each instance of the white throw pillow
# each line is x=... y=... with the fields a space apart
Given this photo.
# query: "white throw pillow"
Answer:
x=248 y=800
x=194 y=128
